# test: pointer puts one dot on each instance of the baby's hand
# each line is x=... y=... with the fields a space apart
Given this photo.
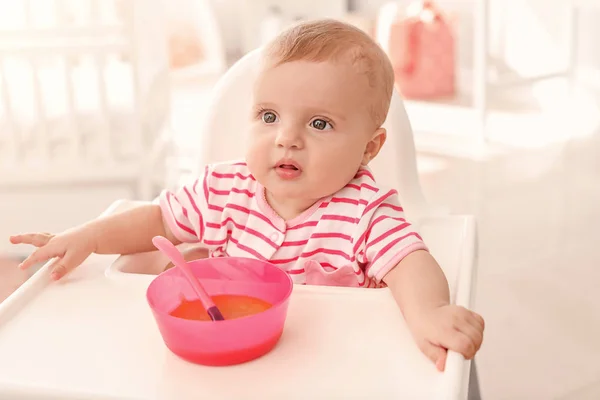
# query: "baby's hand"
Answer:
x=71 y=248
x=448 y=328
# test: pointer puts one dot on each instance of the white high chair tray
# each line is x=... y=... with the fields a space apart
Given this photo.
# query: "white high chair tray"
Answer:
x=92 y=336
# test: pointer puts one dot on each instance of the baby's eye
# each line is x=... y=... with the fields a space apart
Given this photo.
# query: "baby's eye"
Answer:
x=269 y=117
x=320 y=124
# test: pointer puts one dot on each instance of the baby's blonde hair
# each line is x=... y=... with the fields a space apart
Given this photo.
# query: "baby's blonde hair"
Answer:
x=331 y=40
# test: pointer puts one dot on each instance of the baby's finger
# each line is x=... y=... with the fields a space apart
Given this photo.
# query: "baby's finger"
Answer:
x=441 y=362
x=477 y=323
x=35 y=239
x=15 y=239
x=434 y=353
x=477 y=320
x=58 y=269
x=63 y=265
x=474 y=334
x=459 y=342
x=466 y=317
x=40 y=255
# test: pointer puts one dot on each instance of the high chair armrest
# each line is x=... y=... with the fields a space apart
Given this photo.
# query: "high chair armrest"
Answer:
x=453 y=240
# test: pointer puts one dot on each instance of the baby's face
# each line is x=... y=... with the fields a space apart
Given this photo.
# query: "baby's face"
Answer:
x=310 y=127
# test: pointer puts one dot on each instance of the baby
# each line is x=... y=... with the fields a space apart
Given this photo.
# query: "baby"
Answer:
x=304 y=198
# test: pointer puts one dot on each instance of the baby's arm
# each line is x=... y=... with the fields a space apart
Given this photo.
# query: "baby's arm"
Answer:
x=418 y=283
x=127 y=232
x=130 y=231
x=395 y=253
x=421 y=290
x=178 y=216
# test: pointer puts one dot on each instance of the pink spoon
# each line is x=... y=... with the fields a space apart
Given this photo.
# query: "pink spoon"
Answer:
x=167 y=248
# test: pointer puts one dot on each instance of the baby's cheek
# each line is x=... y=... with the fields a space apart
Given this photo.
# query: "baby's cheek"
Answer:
x=341 y=167
x=257 y=144
x=256 y=160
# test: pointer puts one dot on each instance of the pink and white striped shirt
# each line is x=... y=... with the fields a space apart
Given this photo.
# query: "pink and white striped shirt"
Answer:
x=352 y=238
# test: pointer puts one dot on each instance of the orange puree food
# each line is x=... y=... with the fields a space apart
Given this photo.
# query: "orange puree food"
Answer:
x=231 y=306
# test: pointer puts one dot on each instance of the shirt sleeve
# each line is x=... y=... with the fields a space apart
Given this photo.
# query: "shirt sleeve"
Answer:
x=183 y=209
x=388 y=236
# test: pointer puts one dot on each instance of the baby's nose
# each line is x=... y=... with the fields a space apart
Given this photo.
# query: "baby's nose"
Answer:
x=289 y=138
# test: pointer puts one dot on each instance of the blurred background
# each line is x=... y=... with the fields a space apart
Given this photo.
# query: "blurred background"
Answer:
x=105 y=99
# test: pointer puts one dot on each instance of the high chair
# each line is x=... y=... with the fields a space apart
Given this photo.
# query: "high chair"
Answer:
x=91 y=335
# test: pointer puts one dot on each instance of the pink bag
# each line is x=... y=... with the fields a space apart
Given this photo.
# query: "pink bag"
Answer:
x=422 y=51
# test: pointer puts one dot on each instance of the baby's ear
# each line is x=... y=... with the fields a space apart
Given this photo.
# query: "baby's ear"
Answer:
x=374 y=145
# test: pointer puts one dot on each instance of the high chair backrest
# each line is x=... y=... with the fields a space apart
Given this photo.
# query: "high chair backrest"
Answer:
x=223 y=136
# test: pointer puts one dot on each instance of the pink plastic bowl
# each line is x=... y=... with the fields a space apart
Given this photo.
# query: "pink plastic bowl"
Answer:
x=222 y=342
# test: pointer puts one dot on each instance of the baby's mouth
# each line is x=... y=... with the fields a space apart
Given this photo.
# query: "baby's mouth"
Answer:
x=288 y=166
x=288 y=169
